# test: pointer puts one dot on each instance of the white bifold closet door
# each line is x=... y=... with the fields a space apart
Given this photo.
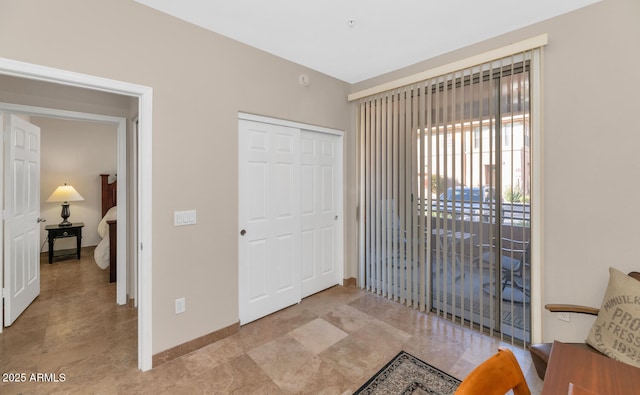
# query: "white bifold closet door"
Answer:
x=289 y=213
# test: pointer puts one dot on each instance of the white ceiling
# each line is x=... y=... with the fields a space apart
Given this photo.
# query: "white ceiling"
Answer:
x=386 y=35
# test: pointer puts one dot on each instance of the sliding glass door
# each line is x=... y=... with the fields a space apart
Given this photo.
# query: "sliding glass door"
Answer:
x=445 y=181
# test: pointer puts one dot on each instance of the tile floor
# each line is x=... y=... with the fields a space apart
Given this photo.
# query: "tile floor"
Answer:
x=331 y=343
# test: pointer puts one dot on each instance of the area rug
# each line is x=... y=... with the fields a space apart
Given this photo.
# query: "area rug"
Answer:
x=406 y=374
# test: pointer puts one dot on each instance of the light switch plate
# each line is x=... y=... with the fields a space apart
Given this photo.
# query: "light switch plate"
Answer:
x=181 y=218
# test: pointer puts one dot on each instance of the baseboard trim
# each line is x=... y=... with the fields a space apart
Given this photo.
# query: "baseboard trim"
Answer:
x=349 y=282
x=195 y=344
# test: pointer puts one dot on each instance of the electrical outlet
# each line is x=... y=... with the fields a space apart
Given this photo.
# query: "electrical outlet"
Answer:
x=564 y=317
x=180 y=306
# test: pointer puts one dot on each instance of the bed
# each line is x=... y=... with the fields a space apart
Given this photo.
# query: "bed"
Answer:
x=105 y=253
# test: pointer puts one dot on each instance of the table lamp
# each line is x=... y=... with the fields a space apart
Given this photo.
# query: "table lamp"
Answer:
x=65 y=194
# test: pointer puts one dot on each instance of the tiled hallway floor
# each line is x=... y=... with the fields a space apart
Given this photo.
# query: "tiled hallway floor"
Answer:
x=331 y=343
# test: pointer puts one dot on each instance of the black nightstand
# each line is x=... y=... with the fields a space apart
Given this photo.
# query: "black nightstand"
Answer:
x=58 y=232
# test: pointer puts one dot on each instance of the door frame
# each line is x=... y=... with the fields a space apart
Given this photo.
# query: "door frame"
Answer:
x=121 y=125
x=144 y=94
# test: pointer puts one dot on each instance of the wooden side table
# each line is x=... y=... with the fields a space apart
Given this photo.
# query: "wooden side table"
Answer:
x=58 y=232
x=587 y=372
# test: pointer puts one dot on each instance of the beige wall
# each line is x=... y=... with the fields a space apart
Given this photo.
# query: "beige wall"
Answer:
x=200 y=81
x=590 y=142
x=77 y=153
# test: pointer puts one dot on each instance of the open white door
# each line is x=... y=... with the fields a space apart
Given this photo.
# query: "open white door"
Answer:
x=269 y=218
x=22 y=215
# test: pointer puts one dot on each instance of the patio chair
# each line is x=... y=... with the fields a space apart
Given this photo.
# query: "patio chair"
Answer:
x=514 y=258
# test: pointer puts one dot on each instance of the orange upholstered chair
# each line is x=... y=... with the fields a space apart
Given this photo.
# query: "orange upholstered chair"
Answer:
x=495 y=376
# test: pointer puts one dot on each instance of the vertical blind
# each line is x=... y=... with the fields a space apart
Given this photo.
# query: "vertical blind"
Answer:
x=444 y=178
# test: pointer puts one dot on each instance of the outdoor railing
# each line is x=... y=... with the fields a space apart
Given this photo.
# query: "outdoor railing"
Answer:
x=511 y=213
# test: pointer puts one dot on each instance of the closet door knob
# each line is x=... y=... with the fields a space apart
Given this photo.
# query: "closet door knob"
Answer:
x=243 y=232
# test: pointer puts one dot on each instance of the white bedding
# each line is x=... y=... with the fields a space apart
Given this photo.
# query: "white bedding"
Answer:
x=101 y=253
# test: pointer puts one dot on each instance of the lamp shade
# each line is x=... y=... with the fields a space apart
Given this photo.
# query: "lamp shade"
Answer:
x=65 y=193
